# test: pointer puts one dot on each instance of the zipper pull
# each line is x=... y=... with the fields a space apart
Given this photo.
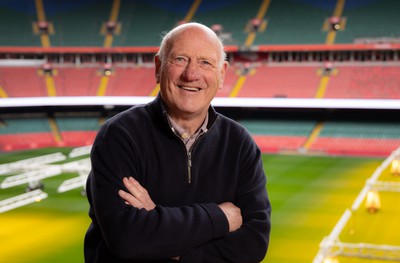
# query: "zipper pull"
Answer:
x=189 y=168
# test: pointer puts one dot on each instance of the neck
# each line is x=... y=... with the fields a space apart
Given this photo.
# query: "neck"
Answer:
x=190 y=124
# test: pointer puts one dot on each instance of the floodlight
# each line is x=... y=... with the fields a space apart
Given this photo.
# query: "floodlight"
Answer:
x=395 y=167
x=372 y=201
x=330 y=260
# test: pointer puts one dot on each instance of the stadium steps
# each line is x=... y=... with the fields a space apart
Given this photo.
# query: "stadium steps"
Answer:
x=51 y=88
x=260 y=16
x=108 y=38
x=322 y=87
x=44 y=37
x=101 y=91
x=331 y=36
x=314 y=134
x=155 y=91
x=54 y=129
x=192 y=11
x=3 y=93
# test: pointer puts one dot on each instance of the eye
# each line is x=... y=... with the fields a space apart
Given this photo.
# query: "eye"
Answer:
x=205 y=64
x=180 y=61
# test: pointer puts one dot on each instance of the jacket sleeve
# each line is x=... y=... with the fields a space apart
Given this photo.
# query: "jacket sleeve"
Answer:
x=132 y=233
x=250 y=242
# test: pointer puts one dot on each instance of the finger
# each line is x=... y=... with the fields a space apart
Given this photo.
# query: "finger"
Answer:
x=131 y=186
x=138 y=186
x=130 y=199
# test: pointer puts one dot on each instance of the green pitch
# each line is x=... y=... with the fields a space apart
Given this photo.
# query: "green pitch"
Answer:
x=308 y=194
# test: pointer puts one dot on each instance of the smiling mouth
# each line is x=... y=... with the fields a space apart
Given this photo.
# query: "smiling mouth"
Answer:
x=193 y=89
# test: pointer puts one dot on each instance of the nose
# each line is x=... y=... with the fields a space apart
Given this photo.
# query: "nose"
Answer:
x=191 y=72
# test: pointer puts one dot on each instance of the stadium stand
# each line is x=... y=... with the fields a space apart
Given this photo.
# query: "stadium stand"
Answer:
x=270 y=55
x=18 y=133
x=295 y=22
x=77 y=23
x=279 y=135
x=77 y=81
x=284 y=80
x=31 y=85
x=371 y=22
x=144 y=21
x=17 y=24
x=131 y=81
x=358 y=137
x=369 y=80
x=77 y=130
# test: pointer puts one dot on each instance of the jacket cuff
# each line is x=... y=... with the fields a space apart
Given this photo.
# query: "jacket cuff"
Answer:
x=218 y=218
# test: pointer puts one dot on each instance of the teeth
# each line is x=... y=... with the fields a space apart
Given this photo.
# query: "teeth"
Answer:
x=189 y=88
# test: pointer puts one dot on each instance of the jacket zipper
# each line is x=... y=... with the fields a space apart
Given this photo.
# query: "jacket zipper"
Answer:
x=189 y=154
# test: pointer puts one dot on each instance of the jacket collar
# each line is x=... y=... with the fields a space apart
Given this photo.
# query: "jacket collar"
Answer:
x=160 y=111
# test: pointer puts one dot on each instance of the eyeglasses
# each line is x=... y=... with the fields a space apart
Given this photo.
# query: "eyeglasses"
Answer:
x=183 y=62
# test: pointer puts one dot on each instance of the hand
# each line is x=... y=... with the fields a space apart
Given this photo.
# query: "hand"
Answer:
x=137 y=196
x=233 y=214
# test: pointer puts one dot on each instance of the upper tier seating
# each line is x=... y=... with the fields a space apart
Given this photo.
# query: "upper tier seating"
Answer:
x=16 y=27
x=142 y=23
x=370 y=21
x=295 y=22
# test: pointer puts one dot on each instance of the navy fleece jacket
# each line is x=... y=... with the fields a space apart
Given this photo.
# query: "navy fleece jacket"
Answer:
x=224 y=165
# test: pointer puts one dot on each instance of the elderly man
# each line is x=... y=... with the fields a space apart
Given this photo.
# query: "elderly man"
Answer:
x=174 y=180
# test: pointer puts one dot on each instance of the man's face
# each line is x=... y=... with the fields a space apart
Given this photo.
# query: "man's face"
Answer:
x=190 y=74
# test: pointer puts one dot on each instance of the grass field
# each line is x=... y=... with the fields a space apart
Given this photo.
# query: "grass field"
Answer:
x=308 y=194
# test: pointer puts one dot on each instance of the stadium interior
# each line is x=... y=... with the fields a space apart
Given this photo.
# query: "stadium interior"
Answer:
x=307 y=78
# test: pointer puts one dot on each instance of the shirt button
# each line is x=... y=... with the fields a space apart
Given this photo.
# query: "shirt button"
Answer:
x=184 y=135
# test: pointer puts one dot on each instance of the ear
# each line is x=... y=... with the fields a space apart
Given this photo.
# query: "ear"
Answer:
x=157 y=64
x=223 y=69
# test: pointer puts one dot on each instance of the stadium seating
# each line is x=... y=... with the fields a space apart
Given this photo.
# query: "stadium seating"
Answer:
x=358 y=137
x=284 y=80
x=77 y=81
x=16 y=25
x=279 y=135
x=141 y=23
x=295 y=22
x=370 y=22
x=365 y=81
x=24 y=133
x=131 y=81
x=31 y=85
